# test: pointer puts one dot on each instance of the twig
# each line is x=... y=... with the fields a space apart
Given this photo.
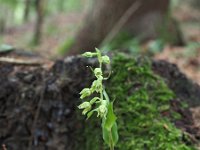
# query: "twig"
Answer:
x=131 y=10
x=17 y=61
x=191 y=137
x=36 y=116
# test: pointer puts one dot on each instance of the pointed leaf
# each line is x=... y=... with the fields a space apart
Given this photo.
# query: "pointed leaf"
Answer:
x=111 y=118
x=105 y=133
x=115 y=135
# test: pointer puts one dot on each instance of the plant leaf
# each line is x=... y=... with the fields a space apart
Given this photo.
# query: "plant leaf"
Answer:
x=115 y=135
x=105 y=134
x=111 y=118
x=110 y=135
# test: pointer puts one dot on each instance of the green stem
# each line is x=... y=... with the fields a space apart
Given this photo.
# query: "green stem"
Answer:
x=101 y=95
x=106 y=95
x=111 y=141
x=100 y=66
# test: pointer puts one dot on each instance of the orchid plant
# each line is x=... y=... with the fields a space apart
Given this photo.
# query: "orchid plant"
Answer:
x=101 y=103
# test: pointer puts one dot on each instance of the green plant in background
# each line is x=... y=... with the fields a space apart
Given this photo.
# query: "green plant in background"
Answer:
x=192 y=49
x=100 y=104
x=125 y=42
x=133 y=45
x=64 y=47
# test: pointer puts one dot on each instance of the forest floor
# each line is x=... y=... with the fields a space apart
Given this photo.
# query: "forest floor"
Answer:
x=57 y=29
x=188 y=57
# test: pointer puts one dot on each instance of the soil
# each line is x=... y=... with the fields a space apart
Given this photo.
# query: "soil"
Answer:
x=38 y=104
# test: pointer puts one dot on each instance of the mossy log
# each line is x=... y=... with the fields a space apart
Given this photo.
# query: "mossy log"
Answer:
x=38 y=106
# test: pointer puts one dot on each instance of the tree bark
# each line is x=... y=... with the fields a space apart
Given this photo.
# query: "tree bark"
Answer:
x=27 y=10
x=39 y=6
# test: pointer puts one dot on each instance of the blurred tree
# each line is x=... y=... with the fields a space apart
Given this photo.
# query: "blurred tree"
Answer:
x=7 y=8
x=27 y=10
x=195 y=3
x=39 y=6
x=61 y=5
x=2 y=25
x=141 y=18
x=2 y=20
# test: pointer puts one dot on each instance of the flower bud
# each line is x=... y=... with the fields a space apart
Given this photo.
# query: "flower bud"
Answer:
x=92 y=101
x=97 y=85
x=105 y=59
x=86 y=106
x=85 y=92
x=98 y=72
x=89 y=54
x=102 y=110
x=86 y=110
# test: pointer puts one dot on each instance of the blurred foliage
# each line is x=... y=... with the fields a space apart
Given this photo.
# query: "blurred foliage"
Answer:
x=12 y=3
x=64 y=48
x=17 y=7
x=63 y=5
x=156 y=46
x=192 y=49
x=6 y=48
x=132 y=45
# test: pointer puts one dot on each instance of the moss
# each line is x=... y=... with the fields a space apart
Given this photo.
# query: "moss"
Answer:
x=140 y=99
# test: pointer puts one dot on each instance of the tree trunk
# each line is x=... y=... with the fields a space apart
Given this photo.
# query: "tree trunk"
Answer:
x=2 y=26
x=27 y=10
x=139 y=18
x=3 y=19
x=61 y=5
x=39 y=6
